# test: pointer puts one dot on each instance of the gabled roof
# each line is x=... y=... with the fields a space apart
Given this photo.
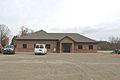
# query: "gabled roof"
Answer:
x=56 y=36
x=67 y=37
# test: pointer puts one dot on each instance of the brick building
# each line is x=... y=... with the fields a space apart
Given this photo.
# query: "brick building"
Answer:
x=56 y=42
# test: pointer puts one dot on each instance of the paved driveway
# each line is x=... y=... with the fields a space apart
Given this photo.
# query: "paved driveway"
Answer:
x=27 y=66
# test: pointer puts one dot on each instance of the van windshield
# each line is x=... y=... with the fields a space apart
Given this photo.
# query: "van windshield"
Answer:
x=39 y=46
x=9 y=46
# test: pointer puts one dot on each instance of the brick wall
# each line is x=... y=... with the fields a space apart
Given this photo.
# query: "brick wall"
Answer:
x=53 y=44
x=85 y=48
x=31 y=43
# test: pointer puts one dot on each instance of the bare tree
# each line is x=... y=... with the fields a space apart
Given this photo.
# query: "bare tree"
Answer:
x=4 y=34
x=115 y=42
x=24 y=31
x=111 y=44
x=114 y=39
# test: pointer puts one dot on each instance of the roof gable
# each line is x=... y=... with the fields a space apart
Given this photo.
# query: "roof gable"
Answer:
x=56 y=36
x=68 y=38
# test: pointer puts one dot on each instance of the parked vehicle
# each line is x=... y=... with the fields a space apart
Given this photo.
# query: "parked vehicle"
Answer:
x=116 y=51
x=40 y=49
x=1 y=48
x=9 y=49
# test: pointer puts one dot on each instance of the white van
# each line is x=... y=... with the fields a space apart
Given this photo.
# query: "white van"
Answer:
x=40 y=49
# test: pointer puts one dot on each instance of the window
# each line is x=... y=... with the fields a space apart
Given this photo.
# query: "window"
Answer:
x=90 y=46
x=48 y=46
x=24 y=45
x=80 y=47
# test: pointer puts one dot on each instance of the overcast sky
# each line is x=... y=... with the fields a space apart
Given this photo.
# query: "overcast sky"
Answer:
x=97 y=19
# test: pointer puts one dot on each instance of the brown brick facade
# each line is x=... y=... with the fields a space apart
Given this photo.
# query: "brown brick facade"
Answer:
x=58 y=45
x=31 y=43
x=85 y=48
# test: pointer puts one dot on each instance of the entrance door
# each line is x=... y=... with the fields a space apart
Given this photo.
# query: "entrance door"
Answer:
x=66 y=47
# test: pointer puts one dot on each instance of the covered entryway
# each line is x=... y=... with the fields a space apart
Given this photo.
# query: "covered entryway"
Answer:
x=66 y=47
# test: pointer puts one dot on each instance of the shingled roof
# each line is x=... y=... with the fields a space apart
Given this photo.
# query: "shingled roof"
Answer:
x=55 y=36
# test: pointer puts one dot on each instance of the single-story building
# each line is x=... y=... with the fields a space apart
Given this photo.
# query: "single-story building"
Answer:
x=56 y=42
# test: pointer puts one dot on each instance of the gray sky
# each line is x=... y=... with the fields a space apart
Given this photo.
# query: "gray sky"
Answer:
x=97 y=19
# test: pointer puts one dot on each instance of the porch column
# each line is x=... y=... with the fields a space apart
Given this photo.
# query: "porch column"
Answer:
x=73 y=48
x=60 y=47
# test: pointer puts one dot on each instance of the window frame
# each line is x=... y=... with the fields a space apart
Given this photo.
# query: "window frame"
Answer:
x=80 y=46
x=24 y=45
x=91 y=47
x=48 y=46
